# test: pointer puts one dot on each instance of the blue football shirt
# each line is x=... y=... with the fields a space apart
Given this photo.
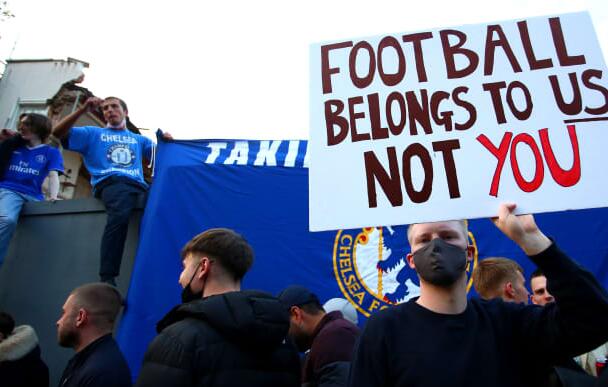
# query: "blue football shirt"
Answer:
x=29 y=167
x=108 y=152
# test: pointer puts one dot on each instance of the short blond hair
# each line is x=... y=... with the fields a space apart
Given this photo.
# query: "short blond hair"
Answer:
x=463 y=224
x=490 y=275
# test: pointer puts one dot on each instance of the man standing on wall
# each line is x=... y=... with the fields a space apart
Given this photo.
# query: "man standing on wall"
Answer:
x=113 y=155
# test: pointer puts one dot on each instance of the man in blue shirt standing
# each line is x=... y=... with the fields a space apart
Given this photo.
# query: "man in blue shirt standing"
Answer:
x=113 y=155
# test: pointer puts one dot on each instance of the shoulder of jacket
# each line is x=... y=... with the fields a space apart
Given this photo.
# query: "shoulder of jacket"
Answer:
x=186 y=332
x=18 y=344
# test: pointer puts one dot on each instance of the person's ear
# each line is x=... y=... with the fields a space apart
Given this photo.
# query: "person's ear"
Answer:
x=410 y=261
x=295 y=313
x=205 y=267
x=82 y=317
x=470 y=252
x=509 y=291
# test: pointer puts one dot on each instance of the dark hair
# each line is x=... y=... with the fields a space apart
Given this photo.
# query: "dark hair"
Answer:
x=228 y=248
x=122 y=103
x=313 y=308
x=537 y=273
x=7 y=324
x=101 y=301
x=39 y=124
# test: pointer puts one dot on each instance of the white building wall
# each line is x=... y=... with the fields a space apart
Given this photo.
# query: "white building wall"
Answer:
x=31 y=83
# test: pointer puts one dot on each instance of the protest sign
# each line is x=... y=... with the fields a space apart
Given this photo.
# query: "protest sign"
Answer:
x=446 y=123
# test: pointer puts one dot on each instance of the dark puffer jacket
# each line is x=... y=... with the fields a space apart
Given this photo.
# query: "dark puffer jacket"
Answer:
x=20 y=363
x=231 y=339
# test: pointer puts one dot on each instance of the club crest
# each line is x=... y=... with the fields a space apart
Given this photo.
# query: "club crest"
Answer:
x=121 y=155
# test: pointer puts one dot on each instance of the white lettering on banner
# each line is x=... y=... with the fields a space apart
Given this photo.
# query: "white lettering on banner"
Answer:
x=292 y=153
x=239 y=154
x=268 y=153
x=307 y=158
x=118 y=138
x=216 y=147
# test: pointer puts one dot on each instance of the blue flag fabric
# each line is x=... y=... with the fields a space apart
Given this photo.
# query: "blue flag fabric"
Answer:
x=260 y=189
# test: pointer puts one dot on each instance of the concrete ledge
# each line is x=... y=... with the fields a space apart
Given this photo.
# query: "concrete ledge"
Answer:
x=72 y=206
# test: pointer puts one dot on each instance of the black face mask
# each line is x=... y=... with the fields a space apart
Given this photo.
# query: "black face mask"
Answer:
x=187 y=293
x=440 y=263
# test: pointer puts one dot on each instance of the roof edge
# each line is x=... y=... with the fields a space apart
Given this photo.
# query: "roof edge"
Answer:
x=68 y=60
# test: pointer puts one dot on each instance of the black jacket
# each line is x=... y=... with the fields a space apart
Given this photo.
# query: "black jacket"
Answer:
x=230 y=339
x=20 y=363
x=100 y=364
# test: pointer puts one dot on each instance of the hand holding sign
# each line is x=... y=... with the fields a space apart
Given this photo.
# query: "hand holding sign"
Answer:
x=521 y=229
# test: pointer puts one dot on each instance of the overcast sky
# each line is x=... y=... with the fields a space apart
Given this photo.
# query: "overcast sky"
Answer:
x=230 y=69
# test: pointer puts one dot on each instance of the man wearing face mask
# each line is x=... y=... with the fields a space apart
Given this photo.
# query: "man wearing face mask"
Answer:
x=441 y=338
x=221 y=335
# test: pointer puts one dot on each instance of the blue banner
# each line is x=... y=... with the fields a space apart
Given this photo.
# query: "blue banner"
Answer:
x=260 y=189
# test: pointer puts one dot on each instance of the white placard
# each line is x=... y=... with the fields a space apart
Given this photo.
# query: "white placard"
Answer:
x=447 y=123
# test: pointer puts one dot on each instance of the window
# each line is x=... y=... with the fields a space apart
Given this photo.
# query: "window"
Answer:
x=25 y=106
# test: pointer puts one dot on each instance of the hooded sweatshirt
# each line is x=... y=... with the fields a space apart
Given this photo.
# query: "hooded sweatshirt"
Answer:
x=20 y=363
x=230 y=339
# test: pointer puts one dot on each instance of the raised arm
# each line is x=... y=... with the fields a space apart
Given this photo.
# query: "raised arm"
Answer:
x=577 y=321
x=62 y=128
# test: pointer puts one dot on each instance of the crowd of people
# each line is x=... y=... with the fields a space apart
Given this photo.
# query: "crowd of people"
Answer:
x=221 y=335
